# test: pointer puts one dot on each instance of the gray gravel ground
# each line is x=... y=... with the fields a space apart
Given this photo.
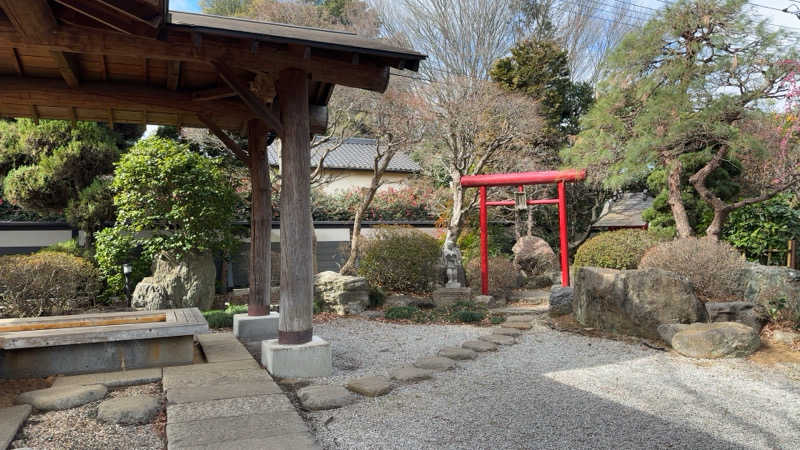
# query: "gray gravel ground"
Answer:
x=78 y=428
x=553 y=390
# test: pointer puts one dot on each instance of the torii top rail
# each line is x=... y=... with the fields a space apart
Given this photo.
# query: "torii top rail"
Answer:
x=521 y=179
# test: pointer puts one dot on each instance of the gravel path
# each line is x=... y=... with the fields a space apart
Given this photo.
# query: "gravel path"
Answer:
x=553 y=390
x=78 y=428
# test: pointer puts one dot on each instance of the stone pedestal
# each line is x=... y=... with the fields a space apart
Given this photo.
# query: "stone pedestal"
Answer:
x=312 y=359
x=449 y=296
x=254 y=328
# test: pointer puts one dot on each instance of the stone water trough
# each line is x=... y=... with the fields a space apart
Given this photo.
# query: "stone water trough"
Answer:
x=44 y=346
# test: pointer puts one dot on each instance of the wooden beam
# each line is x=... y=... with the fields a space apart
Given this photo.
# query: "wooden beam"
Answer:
x=17 y=62
x=215 y=93
x=326 y=67
x=122 y=8
x=32 y=18
x=74 y=116
x=111 y=117
x=222 y=136
x=104 y=67
x=119 y=96
x=297 y=277
x=256 y=105
x=35 y=114
x=109 y=17
x=68 y=66
x=173 y=75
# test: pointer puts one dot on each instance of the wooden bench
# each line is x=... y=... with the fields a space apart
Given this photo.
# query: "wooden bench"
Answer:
x=83 y=343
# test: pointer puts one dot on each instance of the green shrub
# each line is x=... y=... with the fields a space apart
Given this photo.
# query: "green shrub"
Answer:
x=400 y=259
x=497 y=320
x=468 y=316
x=712 y=267
x=501 y=241
x=376 y=297
x=46 y=283
x=401 y=312
x=622 y=249
x=113 y=248
x=218 y=318
x=758 y=229
x=69 y=247
x=236 y=309
x=503 y=276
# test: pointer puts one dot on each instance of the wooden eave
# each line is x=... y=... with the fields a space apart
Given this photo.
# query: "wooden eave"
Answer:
x=54 y=66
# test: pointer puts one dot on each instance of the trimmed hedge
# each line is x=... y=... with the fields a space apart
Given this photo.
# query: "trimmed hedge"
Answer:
x=400 y=259
x=622 y=249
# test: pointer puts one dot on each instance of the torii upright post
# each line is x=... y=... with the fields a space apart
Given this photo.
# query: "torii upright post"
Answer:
x=521 y=179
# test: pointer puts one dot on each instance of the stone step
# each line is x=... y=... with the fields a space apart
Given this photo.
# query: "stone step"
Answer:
x=112 y=379
x=64 y=397
x=11 y=419
x=219 y=392
x=217 y=431
x=229 y=407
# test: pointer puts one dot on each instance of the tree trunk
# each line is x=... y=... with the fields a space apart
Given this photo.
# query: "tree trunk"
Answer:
x=297 y=277
x=349 y=267
x=675 y=201
x=456 y=215
x=260 y=220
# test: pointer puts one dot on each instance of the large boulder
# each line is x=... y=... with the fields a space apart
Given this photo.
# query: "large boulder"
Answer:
x=178 y=282
x=746 y=313
x=534 y=256
x=713 y=340
x=633 y=302
x=342 y=294
x=561 y=300
x=762 y=284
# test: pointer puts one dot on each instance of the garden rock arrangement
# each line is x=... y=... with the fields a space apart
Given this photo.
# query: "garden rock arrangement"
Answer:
x=711 y=340
x=561 y=300
x=634 y=302
x=534 y=256
x=762 y=284
x=178 y=283
x=746 y=313
x=341 y=294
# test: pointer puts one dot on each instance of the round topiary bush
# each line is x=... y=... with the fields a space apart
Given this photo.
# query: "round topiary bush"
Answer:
x=503 y=275
x=712 y=267
x=620 y=249
x=400 y=259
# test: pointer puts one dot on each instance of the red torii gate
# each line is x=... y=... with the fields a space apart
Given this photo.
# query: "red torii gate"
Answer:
x=521 y=179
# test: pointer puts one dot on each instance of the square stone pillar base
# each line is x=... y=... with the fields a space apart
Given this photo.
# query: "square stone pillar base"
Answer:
x=256 y=328
x=312 y=359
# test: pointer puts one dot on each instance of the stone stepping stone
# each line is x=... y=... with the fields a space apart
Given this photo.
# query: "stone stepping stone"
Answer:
x=513 y=332
x=436 y=363
x=516 y=325
x=479 y=346
x=316 y=398
x=371 y=386
x=498 y=339
x=410 y=374
x=11 y=419
x=457 y=353
x=522 y=318
x=112 y=379
x=138 y=409
x=64 y=397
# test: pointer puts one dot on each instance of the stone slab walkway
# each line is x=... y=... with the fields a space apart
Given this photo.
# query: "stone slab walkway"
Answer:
x=230 y=403
x=112 y=379
x=11 y=419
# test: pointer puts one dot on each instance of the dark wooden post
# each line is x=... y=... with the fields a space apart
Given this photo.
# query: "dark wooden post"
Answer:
x=297 y=278
x=260 y=219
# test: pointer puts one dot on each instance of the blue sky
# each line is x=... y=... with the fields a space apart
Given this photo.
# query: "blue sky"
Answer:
x=185 y=5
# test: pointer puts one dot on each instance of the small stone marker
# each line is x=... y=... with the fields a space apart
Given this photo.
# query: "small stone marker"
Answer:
x=372 y=386
x=408 y=374
x=516 y=325
x=498 y=339
x=513 y=332
x=436 y=363
x=479 y=346
x=64 y=397
x=457 y=353
x=316 y=398
x=129 y=410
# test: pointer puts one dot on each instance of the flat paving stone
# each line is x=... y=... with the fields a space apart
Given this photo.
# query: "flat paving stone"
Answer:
x=11 y=419
x=64 y=397
x=498 y=339
x=410 y=374
x=205 y=393
x=516 y=325
x=513 y=332
x=521 y=318
x=520 y=310
x=222 y=367
x=112 y=379
x=457 y=353
x=233 y=351
x=137 y=409
x=479 y=346
x=207 y=432
x=436 y=363
x=292 y=441
x=322 y=397
x=229 y=407
x=215 y=378
x=371 y=386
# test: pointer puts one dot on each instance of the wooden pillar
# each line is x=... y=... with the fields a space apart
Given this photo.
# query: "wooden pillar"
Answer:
x=260 y=219
x=297 y=277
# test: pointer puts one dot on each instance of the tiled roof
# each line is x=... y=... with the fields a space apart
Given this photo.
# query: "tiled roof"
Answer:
x=625 y=211
x=354 y=153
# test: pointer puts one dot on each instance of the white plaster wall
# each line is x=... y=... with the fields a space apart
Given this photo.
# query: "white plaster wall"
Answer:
x=33 y=238
x=346 y=180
